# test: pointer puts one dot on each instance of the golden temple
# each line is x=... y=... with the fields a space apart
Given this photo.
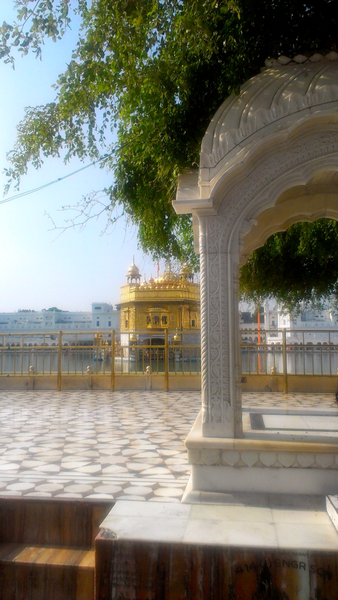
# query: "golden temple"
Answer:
x=171 y=301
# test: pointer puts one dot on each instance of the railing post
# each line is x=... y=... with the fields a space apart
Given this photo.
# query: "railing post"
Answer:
x=2 y=354
x=285 y=368
x=166 y=361
x=89 y=377
x=112 y=373
x=59 y=362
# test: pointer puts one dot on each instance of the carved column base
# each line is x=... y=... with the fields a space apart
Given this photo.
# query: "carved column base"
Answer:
x=216 y=430
x=223 y=466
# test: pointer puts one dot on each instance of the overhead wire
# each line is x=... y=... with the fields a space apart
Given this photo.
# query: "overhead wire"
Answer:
x=42 y=187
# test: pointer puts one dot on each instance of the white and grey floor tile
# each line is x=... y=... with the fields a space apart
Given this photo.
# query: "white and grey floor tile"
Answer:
x=94 y=444
x=98 y=444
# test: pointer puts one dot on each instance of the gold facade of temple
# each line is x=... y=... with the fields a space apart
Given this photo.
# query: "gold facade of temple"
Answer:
x=168 y=302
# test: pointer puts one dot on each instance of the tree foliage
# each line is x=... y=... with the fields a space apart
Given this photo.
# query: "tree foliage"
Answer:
x=296 y=266
x=154 y=72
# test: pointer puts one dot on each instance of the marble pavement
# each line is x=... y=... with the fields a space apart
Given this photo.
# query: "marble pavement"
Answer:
x=98 y=444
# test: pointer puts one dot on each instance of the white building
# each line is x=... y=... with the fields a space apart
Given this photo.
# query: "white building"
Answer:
x=310 y=326
x=103 y=316
x=249 y=325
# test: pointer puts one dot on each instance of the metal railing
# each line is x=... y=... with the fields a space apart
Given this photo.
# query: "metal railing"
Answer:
x=289 y=352
x=283 y=353
x=107 y=353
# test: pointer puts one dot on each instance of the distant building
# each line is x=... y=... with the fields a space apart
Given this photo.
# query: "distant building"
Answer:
x=171 y=301
x=248 y=323
x=103 y=316
x=310 y=326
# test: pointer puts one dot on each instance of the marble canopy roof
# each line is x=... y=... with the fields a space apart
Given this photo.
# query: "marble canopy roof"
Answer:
x=285 y=93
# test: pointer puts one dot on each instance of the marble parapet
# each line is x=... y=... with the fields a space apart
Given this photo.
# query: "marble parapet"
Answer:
x=221 y=465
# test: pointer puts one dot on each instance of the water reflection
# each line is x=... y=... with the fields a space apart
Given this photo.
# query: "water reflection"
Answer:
x=300 y=360
x=21 y=361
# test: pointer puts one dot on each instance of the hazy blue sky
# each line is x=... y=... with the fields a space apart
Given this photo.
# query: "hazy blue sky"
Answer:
x=38 y=267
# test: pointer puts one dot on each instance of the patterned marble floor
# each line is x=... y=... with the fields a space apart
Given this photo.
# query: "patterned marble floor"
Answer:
x=121 y=445
x=288 y=401
x=95 y=444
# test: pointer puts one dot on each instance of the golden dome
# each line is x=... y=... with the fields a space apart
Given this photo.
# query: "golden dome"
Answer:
x=168 y=275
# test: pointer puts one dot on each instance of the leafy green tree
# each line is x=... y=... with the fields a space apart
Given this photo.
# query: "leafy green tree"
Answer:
x=153 y=72
x=296 y=266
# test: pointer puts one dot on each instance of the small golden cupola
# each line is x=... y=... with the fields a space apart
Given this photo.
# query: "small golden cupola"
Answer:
x=186 y=273
x=133 y=275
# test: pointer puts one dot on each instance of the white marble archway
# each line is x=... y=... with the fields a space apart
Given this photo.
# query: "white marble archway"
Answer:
x=223 y=243
x=269 y=158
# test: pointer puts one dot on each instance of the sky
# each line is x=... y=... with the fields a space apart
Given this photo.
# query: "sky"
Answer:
x=39 y=267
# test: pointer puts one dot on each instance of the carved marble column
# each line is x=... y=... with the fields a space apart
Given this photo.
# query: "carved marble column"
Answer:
x=219 y=324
